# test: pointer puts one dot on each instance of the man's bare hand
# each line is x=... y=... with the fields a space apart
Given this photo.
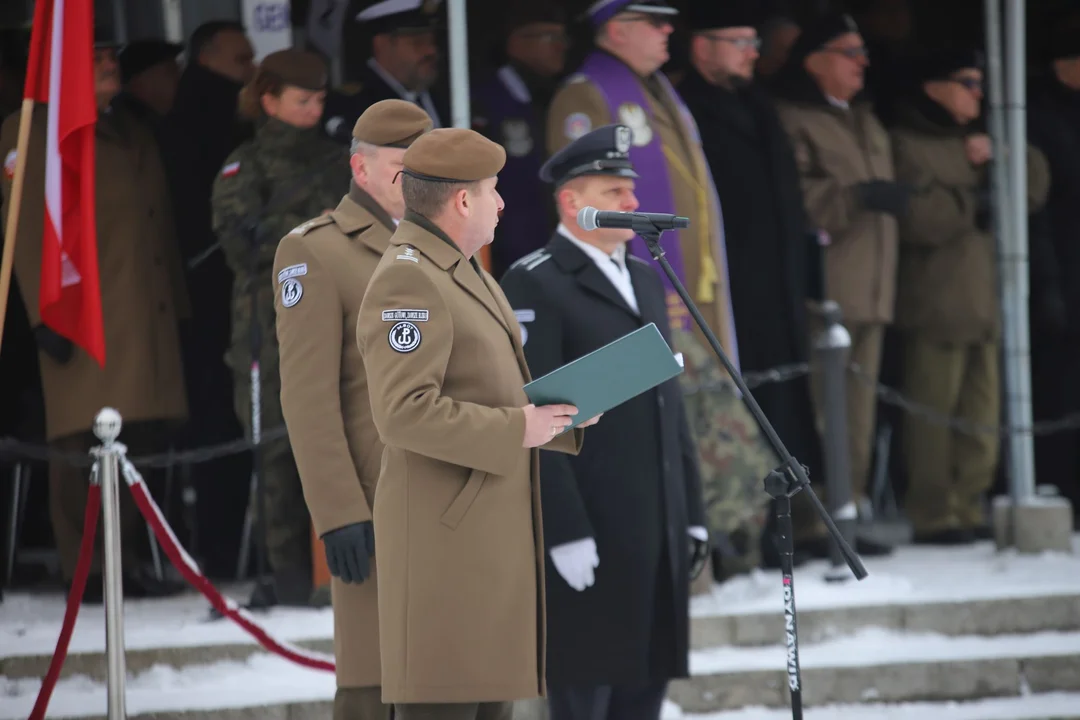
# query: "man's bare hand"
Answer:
x=591 y=421
x=979 y=149
x=545 y=422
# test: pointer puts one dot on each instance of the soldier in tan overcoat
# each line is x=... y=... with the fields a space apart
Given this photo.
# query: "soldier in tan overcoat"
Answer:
x=457 y=516
x=947 y=303
x=846 y=170
x=142 y=298
x=621 y=82
x=321 y=271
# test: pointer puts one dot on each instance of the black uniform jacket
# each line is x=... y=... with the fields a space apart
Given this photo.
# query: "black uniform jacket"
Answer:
x=635 y=487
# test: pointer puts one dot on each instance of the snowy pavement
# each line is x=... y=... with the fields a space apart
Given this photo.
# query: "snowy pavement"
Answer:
x=264 y=680
x=911 y=575
x=29 y=625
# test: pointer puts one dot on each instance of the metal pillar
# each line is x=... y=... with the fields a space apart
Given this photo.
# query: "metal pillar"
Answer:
x=107 y=428
x=460 y=113
x=833 y=350
x=1010 y=161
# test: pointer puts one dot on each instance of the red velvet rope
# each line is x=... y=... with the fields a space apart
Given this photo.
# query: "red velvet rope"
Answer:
x=78 y=586
x=190 y=570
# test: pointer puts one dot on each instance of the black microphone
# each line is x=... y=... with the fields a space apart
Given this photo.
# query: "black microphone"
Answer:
x=589 y=219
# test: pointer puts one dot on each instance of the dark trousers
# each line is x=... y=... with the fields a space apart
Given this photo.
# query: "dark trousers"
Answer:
x=454 y=711
x=607 y=702
x=360 y=704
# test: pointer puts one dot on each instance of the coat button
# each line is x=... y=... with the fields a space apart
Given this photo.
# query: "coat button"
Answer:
x=151 y=213
x=661 y=401
x=162 y=307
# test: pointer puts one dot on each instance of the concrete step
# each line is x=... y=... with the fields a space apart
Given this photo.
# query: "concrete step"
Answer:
x=997 y=616
x=876 y=665
x=1002 y=616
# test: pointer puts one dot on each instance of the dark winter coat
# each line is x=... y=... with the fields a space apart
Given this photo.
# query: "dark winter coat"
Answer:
x=634 y=487
x=774 y=260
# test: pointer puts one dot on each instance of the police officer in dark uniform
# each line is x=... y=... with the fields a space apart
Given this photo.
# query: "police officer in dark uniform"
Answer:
x=624 y=522
x=404 y=64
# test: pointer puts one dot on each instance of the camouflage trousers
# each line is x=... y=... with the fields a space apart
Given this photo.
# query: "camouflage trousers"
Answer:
x=288 y=523
x=733 y=454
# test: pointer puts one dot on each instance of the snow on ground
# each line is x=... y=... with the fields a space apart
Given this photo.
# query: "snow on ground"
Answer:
x=911 y=575
x=261 y=680
x=1033 y=707
x=877 y=646
x=30 y=624
x=266 y=680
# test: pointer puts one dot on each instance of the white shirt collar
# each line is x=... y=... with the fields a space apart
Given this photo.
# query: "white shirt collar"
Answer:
x=837 y=103
x=596 y=254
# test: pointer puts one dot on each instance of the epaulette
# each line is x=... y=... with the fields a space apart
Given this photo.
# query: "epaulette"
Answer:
x=532 y=260
x=305 y=227
x=640 y=260
x=576 y=78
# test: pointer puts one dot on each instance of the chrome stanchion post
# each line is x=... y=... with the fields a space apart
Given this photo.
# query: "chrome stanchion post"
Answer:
x=107 y=428
x=833 y=348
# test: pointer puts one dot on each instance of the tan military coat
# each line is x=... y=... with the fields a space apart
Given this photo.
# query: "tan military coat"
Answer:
x=687 y=170
x=143 y=294
x=948 y=289
x=836 y=149
x=321 y=270
x=458 y=526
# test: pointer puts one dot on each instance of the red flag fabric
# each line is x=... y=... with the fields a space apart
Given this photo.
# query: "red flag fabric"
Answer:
x=60 y=73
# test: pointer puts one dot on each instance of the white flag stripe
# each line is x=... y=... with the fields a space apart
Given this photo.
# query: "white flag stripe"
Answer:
x=54 y=213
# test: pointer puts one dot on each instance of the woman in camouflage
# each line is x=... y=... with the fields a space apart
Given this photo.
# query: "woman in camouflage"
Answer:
x=287 y=174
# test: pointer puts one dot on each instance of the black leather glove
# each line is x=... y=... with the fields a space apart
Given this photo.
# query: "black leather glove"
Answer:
x=884 y=196
x=699 y=553
x=349 y=550
x=58 y=347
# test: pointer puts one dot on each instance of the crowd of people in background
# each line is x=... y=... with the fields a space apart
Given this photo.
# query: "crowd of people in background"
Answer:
x=848 y=167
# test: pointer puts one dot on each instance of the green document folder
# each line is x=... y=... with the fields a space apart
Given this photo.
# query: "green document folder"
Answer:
x=609 y=376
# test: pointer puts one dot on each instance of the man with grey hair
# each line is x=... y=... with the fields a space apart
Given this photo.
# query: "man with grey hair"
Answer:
x=321 y=271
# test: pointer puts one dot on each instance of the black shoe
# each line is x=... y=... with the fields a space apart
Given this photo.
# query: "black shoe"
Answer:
x=948 y=537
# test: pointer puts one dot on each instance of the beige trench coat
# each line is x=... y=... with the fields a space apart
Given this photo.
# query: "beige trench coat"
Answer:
x=321 y=270
x=458 y=523
x=143 y=292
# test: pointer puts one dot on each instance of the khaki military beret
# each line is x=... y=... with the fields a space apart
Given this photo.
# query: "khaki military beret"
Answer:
x=391 y=123
x=299 y=68
x=454 y=155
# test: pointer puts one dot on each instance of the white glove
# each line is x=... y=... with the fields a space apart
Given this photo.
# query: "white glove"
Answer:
x=698 y=533
x=576 y=561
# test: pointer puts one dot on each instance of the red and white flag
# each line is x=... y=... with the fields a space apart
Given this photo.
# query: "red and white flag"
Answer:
x=60 y=73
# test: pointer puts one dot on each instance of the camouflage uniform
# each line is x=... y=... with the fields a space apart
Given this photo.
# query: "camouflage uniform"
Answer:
x=281 y=178
x=735 y=456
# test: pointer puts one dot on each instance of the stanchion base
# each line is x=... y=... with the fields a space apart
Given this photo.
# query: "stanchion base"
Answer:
x=1038 y=524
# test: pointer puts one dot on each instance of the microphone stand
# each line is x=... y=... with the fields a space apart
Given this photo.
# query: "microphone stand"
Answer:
x=781 y=484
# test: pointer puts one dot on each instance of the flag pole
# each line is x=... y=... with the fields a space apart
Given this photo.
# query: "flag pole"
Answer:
x=15 y=204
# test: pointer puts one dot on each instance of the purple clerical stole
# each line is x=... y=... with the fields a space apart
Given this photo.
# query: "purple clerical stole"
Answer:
x=620 y=86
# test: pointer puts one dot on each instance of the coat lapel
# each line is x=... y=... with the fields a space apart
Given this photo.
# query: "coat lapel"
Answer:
x=466 y=276
x=581 y=266
x=511 y=321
